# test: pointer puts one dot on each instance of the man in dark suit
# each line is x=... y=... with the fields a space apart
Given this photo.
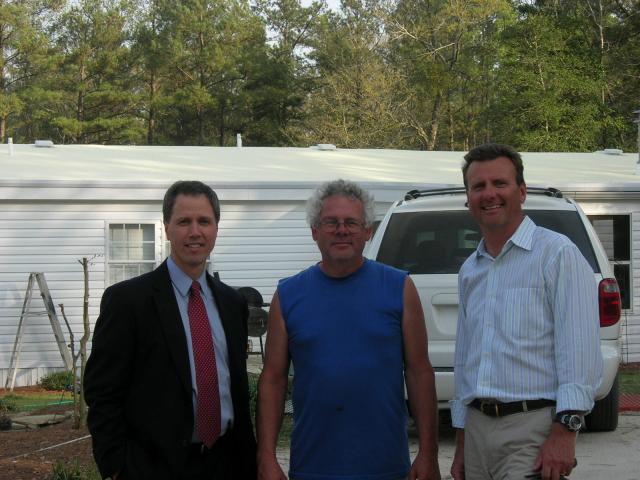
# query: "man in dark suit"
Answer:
x=166 y=382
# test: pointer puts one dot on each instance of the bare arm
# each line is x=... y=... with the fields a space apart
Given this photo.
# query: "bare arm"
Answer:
x=272 y=389
x=420 y=385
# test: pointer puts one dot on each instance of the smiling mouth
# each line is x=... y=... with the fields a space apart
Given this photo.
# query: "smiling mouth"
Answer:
x=491 y=207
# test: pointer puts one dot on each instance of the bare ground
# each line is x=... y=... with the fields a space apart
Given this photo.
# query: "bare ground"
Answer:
x=32 y=454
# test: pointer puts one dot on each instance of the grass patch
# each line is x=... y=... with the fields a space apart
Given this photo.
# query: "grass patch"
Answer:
x=8 y=404
x=74 y=471
x=629 y=379
x=29 y=401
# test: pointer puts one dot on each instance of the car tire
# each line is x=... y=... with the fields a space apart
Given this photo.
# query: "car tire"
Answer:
x=604 y=416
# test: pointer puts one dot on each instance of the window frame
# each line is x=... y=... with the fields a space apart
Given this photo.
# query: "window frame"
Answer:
x=612 y=261
x=158 y=243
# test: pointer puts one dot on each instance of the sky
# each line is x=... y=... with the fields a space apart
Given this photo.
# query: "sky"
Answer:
x=334 y=4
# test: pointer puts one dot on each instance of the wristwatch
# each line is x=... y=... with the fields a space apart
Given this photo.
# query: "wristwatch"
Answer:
x=570 y=420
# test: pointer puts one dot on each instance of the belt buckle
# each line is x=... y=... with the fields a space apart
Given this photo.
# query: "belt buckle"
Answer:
x=488 y=404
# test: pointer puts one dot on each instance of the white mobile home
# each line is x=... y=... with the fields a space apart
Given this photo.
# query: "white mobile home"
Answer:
x=62 y=203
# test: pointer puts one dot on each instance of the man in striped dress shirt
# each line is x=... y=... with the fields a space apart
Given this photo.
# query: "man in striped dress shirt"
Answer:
x=527 y=360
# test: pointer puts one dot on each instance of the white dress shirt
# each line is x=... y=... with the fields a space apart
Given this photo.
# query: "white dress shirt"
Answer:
x=181 y=286
x=528 y=325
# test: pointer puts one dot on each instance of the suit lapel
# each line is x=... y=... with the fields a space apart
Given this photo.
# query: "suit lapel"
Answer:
x=171 y=323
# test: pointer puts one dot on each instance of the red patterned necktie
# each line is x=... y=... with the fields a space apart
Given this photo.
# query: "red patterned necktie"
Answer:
x=208 y=398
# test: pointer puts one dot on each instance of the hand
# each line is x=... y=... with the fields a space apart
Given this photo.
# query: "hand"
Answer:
x=557 y=454
x=425 y=467
x=269 y=469
x=457 y=467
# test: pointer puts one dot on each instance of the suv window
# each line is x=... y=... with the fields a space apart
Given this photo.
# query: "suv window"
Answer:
x=440 y=242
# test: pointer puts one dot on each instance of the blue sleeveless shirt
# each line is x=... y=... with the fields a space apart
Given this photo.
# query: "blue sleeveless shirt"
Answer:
x=345 y=342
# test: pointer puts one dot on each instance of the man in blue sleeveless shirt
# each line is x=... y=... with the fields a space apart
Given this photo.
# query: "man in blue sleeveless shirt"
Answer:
x=354 y=330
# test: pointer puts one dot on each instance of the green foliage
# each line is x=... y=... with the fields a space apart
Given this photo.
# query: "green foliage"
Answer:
x=375 y=73
x=74 y=471
x=253 y=392
x=56 y=381
x=8 y=403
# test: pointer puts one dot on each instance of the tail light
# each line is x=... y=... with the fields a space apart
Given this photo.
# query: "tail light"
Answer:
x=609 y=301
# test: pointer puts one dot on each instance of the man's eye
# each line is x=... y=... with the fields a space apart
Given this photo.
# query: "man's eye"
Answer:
x=351 y=223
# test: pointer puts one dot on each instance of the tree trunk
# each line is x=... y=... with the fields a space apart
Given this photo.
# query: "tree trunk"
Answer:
x=151 y=121
x=435 y=122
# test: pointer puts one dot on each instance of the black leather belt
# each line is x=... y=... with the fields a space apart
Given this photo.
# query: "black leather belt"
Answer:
x=492 y=408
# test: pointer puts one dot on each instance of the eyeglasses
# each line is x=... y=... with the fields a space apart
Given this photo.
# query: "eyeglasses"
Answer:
x=331 y=225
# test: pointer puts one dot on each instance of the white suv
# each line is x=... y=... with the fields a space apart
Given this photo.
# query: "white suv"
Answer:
x=430 y=234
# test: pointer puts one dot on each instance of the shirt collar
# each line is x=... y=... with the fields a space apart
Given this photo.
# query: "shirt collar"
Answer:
x=182 y=282
x=522 y=238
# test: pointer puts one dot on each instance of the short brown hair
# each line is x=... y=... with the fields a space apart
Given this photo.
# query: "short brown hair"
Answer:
x=193 y=188
x=491 y=151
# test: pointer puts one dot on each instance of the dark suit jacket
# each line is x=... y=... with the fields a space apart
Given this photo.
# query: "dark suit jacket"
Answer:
x=138 y=381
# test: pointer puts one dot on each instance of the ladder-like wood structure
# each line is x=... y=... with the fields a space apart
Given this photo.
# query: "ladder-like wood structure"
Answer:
x=37 y=277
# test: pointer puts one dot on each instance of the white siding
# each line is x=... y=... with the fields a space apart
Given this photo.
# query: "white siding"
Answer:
x=52 y=238
x=259 y=242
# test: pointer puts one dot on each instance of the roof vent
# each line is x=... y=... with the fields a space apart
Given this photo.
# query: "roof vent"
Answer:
x=612 y=151
x=326 y=146
x=44 y=143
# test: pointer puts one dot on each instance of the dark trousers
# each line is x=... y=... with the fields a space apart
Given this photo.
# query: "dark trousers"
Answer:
x=201 y=464
x=210 y=464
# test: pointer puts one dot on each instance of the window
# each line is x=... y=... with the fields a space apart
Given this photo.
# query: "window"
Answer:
x=131 y=248
x=614 y=232
x=440 y=242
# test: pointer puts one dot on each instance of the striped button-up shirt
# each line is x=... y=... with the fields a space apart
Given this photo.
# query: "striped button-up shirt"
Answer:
x=528 y=324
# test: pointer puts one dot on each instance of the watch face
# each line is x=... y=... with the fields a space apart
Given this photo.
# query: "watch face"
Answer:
x=572 y=422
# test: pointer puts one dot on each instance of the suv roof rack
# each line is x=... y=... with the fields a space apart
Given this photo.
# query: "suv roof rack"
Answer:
x=414 y=194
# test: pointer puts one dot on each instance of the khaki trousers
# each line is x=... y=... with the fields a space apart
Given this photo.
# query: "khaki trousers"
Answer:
x=504 y=448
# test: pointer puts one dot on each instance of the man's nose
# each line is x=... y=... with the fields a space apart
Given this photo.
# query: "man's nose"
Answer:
x=489 y=191
x=194 y=228
x=341 y=228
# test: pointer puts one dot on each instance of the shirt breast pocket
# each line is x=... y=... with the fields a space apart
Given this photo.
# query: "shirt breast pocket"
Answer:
x=523 y=314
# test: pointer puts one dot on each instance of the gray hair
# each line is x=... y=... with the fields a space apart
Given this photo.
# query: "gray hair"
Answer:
x=344 y=188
